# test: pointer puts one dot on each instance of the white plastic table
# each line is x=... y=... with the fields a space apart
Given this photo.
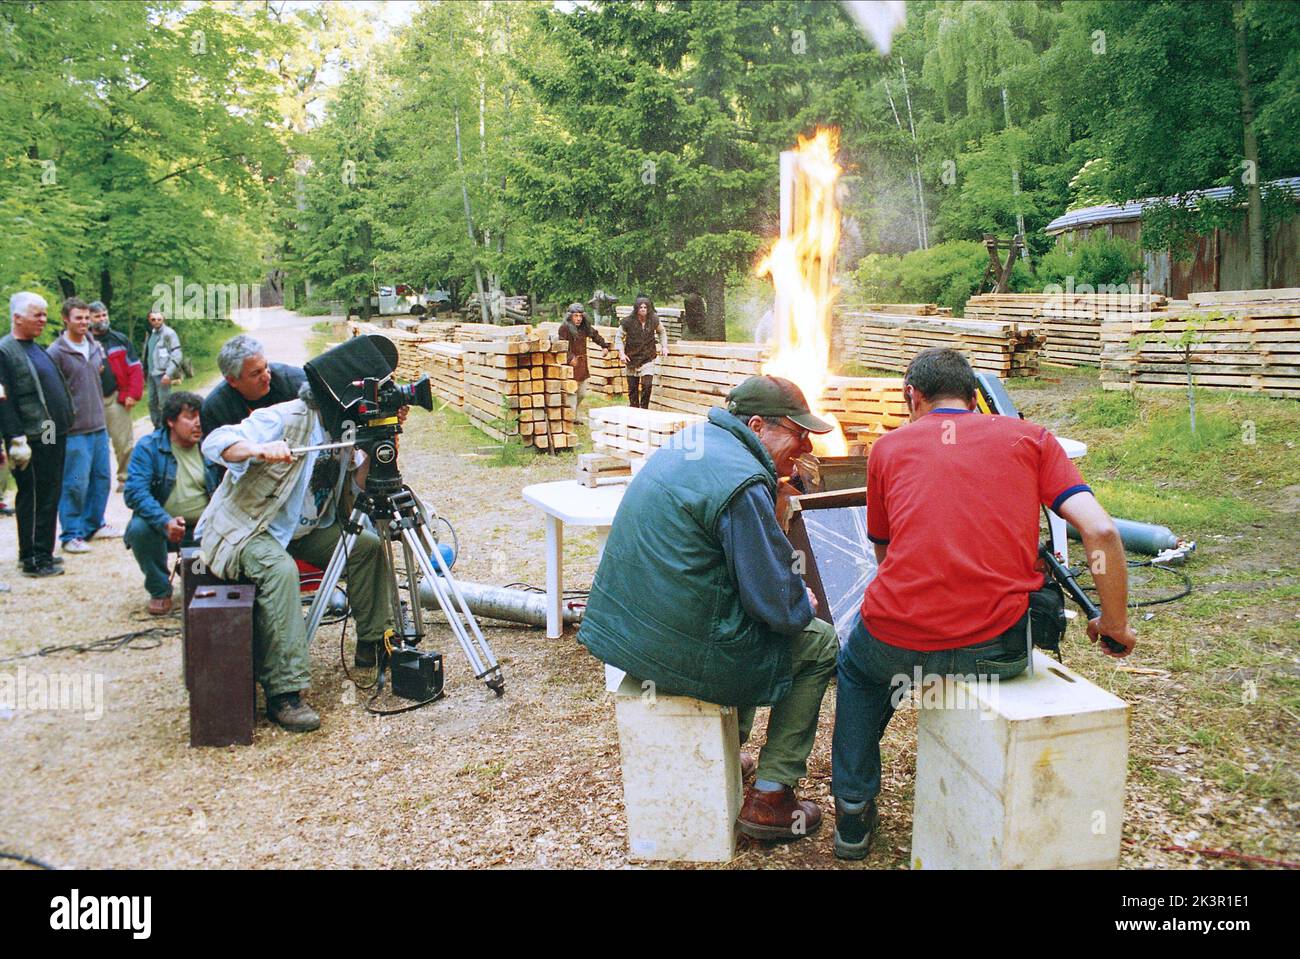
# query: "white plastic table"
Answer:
x=568 y=501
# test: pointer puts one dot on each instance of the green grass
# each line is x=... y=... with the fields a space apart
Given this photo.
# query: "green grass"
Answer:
x=1147 y=465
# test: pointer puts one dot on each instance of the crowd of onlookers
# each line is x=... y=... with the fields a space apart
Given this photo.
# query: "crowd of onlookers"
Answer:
x=67 y=418
x=62 y=408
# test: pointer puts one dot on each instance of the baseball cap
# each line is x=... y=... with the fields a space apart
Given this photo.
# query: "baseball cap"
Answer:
x=774 y=396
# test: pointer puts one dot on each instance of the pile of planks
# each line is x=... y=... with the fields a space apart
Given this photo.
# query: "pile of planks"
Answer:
x=598 y=469
x=606 y=372
x=504 y=309
x=907 y=309
x=698 y=375
x=631 y=433
x=1249 y=340
x=867 y=407
x=445 y=364
x=889 y=341
x=480 y=332
x=519 y=386
x=669 y=316
x=1071 y=321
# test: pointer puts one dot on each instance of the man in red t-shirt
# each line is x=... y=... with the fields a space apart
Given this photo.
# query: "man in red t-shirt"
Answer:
x=953 y=504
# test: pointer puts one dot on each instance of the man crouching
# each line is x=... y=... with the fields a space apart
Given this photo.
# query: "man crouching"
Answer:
x=274 y=507
x=696 y=590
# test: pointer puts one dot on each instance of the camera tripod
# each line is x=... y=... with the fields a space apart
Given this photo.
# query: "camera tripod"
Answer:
x=399 y=515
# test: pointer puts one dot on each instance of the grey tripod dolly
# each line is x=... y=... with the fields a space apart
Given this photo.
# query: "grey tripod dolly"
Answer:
x=399 y=517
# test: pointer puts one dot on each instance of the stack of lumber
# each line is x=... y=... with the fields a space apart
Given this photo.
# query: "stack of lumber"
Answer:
x=907 y=309
x=1071 y=321
x=410 y=361
x=698 y=374
x=606 y=372
x=669 y=316
x=518 y=386
x=508 y=309
x=445 y=364
x=631 y=433
x=599 y=469
x=889 y=341
x=479 y=332
x=867 y=407
x=1249 y=340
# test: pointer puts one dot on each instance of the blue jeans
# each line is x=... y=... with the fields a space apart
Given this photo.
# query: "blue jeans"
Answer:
x=85 y=486
x=151 y=548
x=874 y=677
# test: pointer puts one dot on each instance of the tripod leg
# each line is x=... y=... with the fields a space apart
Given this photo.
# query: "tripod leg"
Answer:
x=441 y=585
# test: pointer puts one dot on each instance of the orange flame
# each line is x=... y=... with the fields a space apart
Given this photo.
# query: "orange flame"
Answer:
x=802 y=267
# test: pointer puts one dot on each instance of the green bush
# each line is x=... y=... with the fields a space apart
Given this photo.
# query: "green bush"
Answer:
x=947 y=273
x=314 y=308
x=1099 y=260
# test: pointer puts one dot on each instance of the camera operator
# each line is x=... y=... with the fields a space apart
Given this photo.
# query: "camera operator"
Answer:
x=953 y=511
x=272 y=508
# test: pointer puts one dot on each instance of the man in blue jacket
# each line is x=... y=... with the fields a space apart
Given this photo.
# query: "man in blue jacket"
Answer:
x=167 y=488
x=696 y=591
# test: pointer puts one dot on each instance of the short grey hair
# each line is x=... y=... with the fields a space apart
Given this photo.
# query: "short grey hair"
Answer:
x=23 y=301
x=236 y=350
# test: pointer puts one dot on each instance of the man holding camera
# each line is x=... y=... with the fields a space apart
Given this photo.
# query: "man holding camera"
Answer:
x=696 y=591
x=273 y=507
x=167 y=490
x=953 y=503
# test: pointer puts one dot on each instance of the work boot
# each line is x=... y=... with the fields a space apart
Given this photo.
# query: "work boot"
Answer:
x=160 y=605
x=366 y=656
x=855 y=824
x=778 y=815
x=289 y=712
x=42 y=569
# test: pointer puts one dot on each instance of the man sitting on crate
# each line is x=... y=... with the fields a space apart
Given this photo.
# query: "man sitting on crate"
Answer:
x=953 y=503
x=167 y=490
x=696 y=591
x=274 y=507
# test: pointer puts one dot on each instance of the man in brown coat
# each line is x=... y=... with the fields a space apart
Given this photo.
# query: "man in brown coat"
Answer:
x=575 y=331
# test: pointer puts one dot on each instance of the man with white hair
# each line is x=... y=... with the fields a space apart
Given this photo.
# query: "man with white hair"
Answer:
x=250 y=384
x=36 y=435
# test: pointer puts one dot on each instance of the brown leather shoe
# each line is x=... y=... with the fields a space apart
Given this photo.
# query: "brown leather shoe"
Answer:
x=778 y=815
x=160 y=606
x=748 y=766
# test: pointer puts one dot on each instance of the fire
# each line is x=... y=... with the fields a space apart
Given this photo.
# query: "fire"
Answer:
x=802 y=267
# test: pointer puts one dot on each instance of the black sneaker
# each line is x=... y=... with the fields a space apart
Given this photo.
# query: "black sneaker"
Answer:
x=855 y=824
x=42 y=569
x=289 y=712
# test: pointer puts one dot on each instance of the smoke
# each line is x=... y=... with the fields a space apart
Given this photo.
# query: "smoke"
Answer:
x=878 y=20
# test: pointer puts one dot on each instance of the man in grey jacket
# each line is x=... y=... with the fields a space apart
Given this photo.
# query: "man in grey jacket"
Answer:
x=85 y=470
x=162 y=357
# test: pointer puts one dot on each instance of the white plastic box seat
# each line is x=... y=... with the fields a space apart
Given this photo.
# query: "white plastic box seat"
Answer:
x=1029 y=775
x=681 y=775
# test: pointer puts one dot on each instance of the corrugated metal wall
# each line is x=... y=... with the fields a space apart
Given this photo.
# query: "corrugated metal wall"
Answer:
x=1221 y=261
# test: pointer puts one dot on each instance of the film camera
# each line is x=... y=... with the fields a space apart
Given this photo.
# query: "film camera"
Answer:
x=359 y=402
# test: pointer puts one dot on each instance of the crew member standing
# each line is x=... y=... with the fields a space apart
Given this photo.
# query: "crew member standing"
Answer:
x=640 y=340
x=162 y=351
x=36 y=436
x=123 y=386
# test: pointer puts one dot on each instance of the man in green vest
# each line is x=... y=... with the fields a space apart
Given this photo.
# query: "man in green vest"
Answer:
x=697 y=594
